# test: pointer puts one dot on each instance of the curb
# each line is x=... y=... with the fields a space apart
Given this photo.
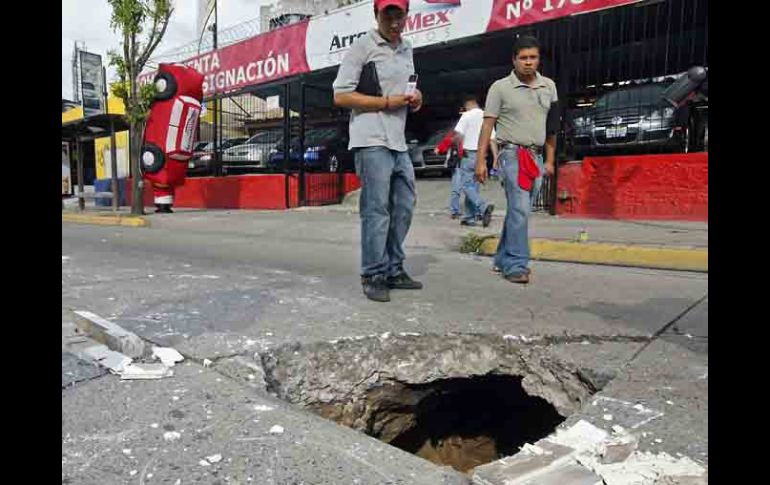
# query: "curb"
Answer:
x=106 y=220
x=674 y=258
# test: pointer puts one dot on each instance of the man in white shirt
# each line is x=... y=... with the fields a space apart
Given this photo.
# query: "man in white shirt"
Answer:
x=467 y=131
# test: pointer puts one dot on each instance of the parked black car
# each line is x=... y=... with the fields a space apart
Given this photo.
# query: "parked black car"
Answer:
x=326 y=150
x=200 y=163
x=634 y=119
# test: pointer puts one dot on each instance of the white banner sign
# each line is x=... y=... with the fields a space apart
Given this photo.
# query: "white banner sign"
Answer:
x=429 y=22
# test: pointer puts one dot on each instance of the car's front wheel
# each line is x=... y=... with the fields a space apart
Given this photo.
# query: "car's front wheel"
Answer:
x=165 y=86
x=152 y=159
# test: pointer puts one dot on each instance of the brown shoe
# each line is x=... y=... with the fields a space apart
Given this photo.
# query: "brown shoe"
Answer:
x=517 y=278
x=495 y=269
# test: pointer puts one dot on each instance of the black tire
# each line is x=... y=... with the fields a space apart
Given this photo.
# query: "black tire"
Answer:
x=167 y=87
x=152 y=159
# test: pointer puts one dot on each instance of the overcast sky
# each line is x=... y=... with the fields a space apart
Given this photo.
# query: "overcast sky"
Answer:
x=88 y=21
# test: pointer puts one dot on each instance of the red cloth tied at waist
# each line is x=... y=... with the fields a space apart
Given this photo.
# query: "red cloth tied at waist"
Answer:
x=528 y=169
x=446 y=143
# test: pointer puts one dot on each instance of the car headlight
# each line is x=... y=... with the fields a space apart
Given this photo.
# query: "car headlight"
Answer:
x=583 y=121
x=658 y=114
x=312 y=153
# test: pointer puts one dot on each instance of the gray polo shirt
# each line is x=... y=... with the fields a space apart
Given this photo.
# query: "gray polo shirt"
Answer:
x=521 y=110
x=394 y=66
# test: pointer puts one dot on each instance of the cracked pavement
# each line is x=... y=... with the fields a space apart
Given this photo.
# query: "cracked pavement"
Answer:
x=220 y=284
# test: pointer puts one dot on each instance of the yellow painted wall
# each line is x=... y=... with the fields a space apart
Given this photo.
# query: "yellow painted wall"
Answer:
x=102 y=145
x=103 y=161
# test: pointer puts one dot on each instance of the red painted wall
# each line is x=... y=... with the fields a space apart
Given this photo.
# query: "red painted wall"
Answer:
x=662 y=187
x=263 y=191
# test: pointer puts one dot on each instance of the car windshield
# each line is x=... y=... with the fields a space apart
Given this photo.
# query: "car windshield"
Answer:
x=262 y=137
x=319 y=136
x=626 y=98
x=438 y=136
x=232 y=142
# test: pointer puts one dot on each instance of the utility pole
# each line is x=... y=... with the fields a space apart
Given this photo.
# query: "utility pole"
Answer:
x=217 y=160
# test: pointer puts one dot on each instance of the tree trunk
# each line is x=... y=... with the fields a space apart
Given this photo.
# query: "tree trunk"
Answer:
x=137 y=182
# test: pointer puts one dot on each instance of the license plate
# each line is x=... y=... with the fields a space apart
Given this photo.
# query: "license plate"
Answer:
x=191 y=165
x=616 y=132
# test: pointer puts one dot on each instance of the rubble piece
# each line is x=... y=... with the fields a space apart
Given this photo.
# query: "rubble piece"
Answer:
x=533 y=450
x=644 y=468
x=582 y=436
x=214 y=458
x=116 y=362
x=171 y=435
x=145 y=371
x=167 y=355
x=206 y=363
x=618 y=449
x=102 y=355
x=110 y=334
x=277 y=429
x=525 y=467
x=565 y=474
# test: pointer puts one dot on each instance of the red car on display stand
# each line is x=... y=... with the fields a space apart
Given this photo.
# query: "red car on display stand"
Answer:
x=169 y=137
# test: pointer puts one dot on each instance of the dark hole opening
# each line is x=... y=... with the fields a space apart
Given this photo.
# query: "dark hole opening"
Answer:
x=466 y=422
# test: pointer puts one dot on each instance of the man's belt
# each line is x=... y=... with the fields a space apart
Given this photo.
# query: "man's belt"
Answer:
x=514 y=146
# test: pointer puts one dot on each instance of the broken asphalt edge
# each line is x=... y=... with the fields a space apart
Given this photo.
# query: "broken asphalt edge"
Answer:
x=105 y=219
x=654 y=257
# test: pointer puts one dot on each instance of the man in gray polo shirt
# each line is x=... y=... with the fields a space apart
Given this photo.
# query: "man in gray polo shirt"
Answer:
x=518 y=106
x=377 y=126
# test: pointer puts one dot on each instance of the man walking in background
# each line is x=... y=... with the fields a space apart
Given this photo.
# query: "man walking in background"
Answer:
x=519 y=107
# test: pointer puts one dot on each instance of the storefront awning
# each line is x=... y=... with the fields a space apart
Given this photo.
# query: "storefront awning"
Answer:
x=92 y=127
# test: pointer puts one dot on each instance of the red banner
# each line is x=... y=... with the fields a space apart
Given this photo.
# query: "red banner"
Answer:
x=274 y=55
x=515 y=13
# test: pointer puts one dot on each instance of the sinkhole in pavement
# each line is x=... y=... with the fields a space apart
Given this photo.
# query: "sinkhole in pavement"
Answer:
x=467 y=422
x=456 y=400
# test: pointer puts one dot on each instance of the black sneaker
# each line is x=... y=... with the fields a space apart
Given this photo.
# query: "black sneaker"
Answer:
x=487 y=217
x=376 y=288
x=163 y=209
x=455 y=216
x=467 y=223
x=402 y=281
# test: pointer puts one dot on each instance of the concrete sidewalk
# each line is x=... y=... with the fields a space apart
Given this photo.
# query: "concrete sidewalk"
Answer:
x=676 y=245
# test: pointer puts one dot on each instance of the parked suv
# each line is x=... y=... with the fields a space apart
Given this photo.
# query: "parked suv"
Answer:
x=633 y=119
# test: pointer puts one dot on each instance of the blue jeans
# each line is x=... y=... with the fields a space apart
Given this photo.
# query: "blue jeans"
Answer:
x=474 y=204
x=457 y=188
x=513 y=251
x=386 y=205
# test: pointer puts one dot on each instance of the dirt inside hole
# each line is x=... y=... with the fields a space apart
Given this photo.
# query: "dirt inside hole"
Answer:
x=459 y=422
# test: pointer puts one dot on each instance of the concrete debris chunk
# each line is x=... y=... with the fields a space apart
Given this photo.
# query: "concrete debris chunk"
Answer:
x=214 y=458
x=145 y=371
x=618 y=449
x=167 y=355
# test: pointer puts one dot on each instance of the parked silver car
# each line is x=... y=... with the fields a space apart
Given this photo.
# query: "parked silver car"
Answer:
x=254 y=153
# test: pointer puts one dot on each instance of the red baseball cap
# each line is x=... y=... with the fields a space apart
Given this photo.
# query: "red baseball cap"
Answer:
x=381 y=4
